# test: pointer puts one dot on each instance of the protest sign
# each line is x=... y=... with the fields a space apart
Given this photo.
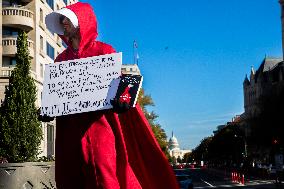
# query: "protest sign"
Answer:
x=81 y=85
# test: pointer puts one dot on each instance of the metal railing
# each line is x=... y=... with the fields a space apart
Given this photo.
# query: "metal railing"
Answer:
x=12 y=40
x=17 y=11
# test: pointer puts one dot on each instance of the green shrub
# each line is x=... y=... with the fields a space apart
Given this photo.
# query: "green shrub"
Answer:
x=20 y=131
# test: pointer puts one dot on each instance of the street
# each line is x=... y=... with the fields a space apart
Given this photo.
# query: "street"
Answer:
x=210 y=178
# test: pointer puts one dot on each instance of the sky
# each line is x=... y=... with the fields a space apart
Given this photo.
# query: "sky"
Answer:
x=193 y=55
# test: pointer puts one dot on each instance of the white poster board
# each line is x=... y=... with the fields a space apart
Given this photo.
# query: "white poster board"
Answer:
x=80 y=85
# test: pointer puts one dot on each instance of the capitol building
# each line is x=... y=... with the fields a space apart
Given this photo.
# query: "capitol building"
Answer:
x=174 y=149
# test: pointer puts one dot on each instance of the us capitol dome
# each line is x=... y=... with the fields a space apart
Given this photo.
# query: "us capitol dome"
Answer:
x=173 y=143
x=174 y=149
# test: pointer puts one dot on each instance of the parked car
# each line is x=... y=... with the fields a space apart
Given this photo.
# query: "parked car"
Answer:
x=178 y=166
x=184 y=178
x=272 y=170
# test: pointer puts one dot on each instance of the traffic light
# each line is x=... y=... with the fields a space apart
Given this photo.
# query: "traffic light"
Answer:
x=275 y=141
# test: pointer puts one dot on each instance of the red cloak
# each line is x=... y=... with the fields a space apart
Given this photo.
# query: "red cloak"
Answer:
x=99 y=149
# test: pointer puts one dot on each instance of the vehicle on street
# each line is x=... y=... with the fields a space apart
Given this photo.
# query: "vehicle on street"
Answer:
x=184 y=178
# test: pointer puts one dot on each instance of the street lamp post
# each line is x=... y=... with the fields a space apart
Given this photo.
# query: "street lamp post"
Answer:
x=246 y=152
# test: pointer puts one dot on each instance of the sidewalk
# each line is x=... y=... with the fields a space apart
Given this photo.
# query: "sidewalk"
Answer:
x=227 y=174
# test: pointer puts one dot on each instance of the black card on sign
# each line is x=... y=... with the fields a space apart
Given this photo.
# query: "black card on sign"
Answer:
x=128 y=89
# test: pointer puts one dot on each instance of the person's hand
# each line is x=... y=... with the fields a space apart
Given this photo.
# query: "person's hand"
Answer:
x=119 y=107
x=44 y=118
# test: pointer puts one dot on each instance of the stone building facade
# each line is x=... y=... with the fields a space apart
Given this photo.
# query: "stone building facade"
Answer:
x=266 y=81
x=44 y=46
x=130 y=69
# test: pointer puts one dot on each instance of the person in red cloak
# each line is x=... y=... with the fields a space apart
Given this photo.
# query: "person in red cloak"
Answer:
x=99 y=149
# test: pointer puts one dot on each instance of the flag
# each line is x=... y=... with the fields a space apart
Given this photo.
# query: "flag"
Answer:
x=135 y=52
x=135 y=45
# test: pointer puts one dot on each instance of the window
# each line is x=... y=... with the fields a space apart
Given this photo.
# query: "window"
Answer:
x=41 y=15
x=49 y=50
x=13 y=62
x=41 y=43
x=50 y=139
x=8 y=62
x=10 y=31
x=41 y=70
x=50 y=133
x=7 y=3
x=50 y=3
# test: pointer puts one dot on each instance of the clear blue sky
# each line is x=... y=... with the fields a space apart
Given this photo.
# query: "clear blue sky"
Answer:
x=194 y=55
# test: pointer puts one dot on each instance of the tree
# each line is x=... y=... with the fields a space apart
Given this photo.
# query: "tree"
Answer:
x=201 y=152
x=227 y=145
x=179 y=160
x=145 y=101
x=20 y=131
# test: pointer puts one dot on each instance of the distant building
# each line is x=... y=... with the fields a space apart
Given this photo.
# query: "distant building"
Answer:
x=174 y=149
x=266 y=81
x=130 y=69
x=236 y=119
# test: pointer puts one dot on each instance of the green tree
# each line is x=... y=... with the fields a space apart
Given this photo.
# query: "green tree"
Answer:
x=160 y=134
x=201 y=152
x=144 y=101
x=179 y=160
x=227 y=146
x=187 y=158
x=20 y=131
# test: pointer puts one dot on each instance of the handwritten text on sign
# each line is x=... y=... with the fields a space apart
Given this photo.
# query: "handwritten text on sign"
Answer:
x=81 y=85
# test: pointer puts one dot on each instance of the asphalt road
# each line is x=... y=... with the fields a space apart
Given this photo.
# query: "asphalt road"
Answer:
x=209 y=178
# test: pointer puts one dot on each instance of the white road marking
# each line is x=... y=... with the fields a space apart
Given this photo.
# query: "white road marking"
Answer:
x=207 y=183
